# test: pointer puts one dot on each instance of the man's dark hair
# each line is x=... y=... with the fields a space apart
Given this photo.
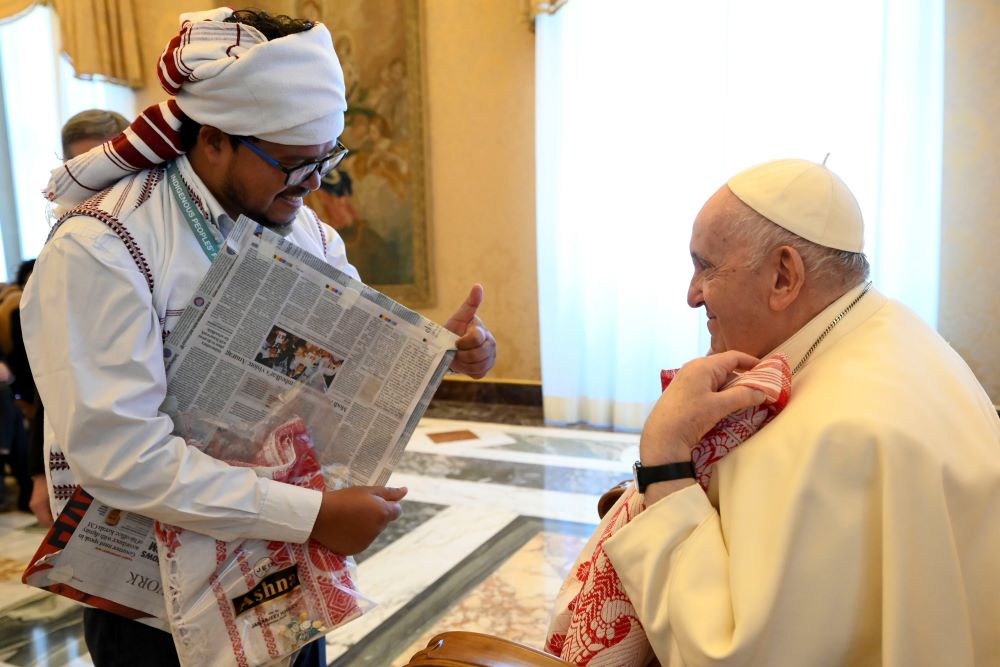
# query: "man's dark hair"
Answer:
x=271 y=27
x=189 y=135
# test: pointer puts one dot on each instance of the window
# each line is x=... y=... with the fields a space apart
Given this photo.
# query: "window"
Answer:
x=645 y=108
x=38 y=93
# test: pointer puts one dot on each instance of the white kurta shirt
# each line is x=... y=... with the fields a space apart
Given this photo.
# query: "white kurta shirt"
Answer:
x=94 y=332
x=860 y=527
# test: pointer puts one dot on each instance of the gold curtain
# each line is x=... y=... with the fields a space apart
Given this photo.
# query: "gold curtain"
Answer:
x=536 y=7
x=9 y=8
x=101 y=38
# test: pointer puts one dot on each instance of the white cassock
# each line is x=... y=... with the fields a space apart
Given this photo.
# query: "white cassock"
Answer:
x=860 y=527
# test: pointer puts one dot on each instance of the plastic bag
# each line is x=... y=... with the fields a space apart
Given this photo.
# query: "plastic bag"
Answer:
x=267 y=599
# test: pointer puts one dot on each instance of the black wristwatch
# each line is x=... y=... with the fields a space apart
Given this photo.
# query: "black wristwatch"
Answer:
x=646 y=475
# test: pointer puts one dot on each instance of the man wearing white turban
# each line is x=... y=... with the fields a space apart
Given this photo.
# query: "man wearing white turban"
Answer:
x=258 y=106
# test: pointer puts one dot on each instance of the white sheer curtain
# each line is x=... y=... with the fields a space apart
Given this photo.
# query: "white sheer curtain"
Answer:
x=645 y=108
x=40 y=93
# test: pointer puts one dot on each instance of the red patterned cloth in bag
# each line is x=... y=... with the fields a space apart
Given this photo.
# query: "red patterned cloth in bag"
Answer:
x=594 y=622
x=254 y=602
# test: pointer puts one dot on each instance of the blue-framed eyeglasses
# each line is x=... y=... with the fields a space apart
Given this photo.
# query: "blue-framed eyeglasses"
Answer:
x=301 y=173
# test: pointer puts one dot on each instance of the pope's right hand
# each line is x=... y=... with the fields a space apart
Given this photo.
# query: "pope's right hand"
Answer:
x=693 y=404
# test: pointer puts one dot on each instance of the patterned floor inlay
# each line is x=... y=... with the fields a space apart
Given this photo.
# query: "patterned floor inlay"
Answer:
x=514 y=601
x=495 y=516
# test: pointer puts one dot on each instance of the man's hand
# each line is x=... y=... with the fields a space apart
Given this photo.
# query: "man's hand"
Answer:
x=477 y=348
x=7 y=377
x=39 y=502
x=350 y=519
x=689 y=408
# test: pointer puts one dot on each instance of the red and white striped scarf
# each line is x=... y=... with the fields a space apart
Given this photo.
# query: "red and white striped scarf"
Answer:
x=153 y=138
x=594 y=622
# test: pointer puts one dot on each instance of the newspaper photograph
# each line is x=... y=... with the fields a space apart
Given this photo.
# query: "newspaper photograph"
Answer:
x=272 y=324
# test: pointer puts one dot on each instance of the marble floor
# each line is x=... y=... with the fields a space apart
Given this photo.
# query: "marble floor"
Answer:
x=495 y=517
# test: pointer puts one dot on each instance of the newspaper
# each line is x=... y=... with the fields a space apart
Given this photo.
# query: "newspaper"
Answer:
x=102 y=557
x=270 y=325
x=271 y=321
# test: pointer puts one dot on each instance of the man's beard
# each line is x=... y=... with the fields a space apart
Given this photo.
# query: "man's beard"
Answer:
x=236 y=194
x=282 y=229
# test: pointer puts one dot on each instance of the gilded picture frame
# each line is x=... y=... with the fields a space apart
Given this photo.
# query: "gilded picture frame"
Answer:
x=379 y=198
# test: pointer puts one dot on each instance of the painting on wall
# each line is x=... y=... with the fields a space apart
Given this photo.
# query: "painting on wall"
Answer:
x=378 y=197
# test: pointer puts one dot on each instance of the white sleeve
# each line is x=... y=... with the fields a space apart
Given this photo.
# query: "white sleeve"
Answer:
x=95 y=347
x=647 y=553
x=822 y=557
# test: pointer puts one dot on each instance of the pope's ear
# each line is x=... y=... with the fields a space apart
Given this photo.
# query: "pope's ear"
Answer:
x=789 y=277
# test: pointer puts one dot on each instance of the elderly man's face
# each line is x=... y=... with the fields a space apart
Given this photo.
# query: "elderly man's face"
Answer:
x=257 y=189
x=733 y=294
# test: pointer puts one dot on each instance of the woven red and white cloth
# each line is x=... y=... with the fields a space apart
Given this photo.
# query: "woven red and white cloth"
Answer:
x=153 y=138
x=594 y=622
x=252 y=602
x=771 y=376
x=288 y=90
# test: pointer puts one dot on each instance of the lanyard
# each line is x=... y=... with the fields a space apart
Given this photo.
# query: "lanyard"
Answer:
x=192 y=215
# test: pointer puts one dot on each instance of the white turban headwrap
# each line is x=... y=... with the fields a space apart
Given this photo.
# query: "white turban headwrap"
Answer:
x=289 y=90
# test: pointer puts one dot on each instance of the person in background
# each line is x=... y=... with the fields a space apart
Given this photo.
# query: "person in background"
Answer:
x=13 y=442
x=81 y=132
x=88 y=129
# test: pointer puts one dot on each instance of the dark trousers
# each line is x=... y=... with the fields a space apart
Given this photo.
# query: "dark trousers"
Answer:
x=115 y=641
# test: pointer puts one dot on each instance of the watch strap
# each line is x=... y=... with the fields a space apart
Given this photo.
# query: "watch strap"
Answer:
x=646 y=475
